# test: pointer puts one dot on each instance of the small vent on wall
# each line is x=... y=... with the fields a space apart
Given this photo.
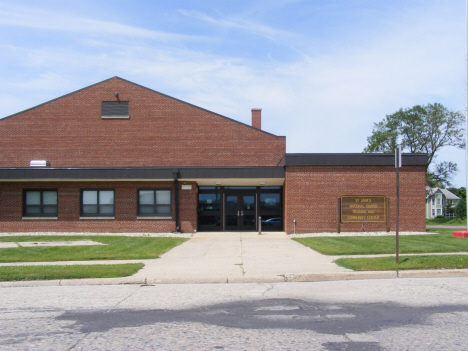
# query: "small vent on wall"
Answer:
x=114 y=109
x=38 y=163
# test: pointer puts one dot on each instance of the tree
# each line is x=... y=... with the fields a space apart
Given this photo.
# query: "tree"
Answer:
x=421 y=129
x=460 y=192
x=460 y=210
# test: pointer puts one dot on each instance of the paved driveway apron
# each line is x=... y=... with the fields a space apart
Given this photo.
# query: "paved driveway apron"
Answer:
x=236 y=256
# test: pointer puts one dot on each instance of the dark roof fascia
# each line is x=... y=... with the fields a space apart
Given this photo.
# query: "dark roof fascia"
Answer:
x=232 y=172
x=356 y=159
x=137 y=173
x=141 y=86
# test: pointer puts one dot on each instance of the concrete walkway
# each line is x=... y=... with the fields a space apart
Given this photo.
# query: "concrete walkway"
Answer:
x=236 y=256
x=454 y=227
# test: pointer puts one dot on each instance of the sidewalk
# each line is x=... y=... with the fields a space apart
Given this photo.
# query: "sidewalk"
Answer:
x=236 y=257
x=454 y=227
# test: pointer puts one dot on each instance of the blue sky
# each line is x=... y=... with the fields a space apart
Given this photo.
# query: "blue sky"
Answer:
x=322 y=71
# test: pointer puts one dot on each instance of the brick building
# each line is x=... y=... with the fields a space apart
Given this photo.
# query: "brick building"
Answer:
x=119 y=157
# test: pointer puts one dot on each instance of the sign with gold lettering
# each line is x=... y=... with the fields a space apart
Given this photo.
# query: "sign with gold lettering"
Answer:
x=363 y=209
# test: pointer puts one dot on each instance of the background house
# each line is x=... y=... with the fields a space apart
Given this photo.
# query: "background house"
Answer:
x=437 y=200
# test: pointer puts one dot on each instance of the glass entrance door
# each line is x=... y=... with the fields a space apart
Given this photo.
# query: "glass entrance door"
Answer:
x=248 y=212
x=232 y=212
x=240 y=211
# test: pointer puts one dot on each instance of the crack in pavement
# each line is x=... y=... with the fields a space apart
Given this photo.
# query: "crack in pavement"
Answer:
x=125 y=298
x=241 y=265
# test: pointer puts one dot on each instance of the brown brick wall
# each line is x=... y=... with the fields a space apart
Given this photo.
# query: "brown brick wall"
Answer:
x=161 y=131
x=11 y=208
x=257 y=118
x=188 y=201
x=311 y=194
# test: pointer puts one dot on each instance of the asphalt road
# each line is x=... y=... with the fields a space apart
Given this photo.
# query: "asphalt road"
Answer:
x=392 y=314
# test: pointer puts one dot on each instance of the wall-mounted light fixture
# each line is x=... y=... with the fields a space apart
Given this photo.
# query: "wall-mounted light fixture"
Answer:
x=38 y=163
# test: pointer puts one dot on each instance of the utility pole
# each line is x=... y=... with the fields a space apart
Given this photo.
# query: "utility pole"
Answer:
x=466 y=96
x=397 y=166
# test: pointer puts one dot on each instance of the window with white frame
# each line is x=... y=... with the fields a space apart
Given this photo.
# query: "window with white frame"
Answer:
x=439 y=211
x=154 y=202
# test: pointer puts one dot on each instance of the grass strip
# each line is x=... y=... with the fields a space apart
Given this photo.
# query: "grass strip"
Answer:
x=22 y=273
x=115 y=248
x=406 y=262
x=370 y=245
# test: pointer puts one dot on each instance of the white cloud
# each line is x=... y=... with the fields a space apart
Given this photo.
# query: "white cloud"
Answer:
x=241 y=23
x=323 y=102
x=36 y=18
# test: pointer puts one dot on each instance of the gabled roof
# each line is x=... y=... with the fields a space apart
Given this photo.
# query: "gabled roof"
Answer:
x=447 y=193
x=141 y=86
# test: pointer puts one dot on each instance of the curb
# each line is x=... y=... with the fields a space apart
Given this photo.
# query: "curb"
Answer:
x=445 y=273
x=317 y=277
x=74 y=282
x=267 y=278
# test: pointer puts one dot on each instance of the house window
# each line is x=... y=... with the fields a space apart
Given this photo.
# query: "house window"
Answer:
x=40 y=203
x=97 y=203
x=152 y=202
x=433 y=201
x=438 y=201
x=114 y=109
x=433 y=213
x=439 y=212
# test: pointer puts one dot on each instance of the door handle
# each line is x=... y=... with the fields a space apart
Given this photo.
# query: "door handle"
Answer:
x=242 y=213
x=238 y=213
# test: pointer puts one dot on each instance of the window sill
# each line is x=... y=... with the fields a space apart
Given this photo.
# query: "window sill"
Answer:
x=40 y=218
x=97 y=217
x=115 y=117
x=149 y=217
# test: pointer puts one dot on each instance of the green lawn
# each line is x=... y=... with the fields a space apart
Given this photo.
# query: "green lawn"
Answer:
x=406 y=262
x=17 y=273
x=442 y=242
x=117 y=248
x=446 y=221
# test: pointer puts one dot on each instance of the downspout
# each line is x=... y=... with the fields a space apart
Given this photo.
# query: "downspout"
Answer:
x=175 y=173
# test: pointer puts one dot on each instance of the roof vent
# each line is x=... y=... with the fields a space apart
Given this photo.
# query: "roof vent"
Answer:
x=38 y=163
x=114 y=109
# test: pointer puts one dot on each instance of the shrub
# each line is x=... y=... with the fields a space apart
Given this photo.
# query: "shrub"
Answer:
x=460 y=210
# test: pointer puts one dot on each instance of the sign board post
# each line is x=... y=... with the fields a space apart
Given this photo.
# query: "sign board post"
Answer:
x=339 y=215
x=397 y=166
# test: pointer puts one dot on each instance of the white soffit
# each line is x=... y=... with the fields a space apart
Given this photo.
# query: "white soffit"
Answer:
x=237 y=181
